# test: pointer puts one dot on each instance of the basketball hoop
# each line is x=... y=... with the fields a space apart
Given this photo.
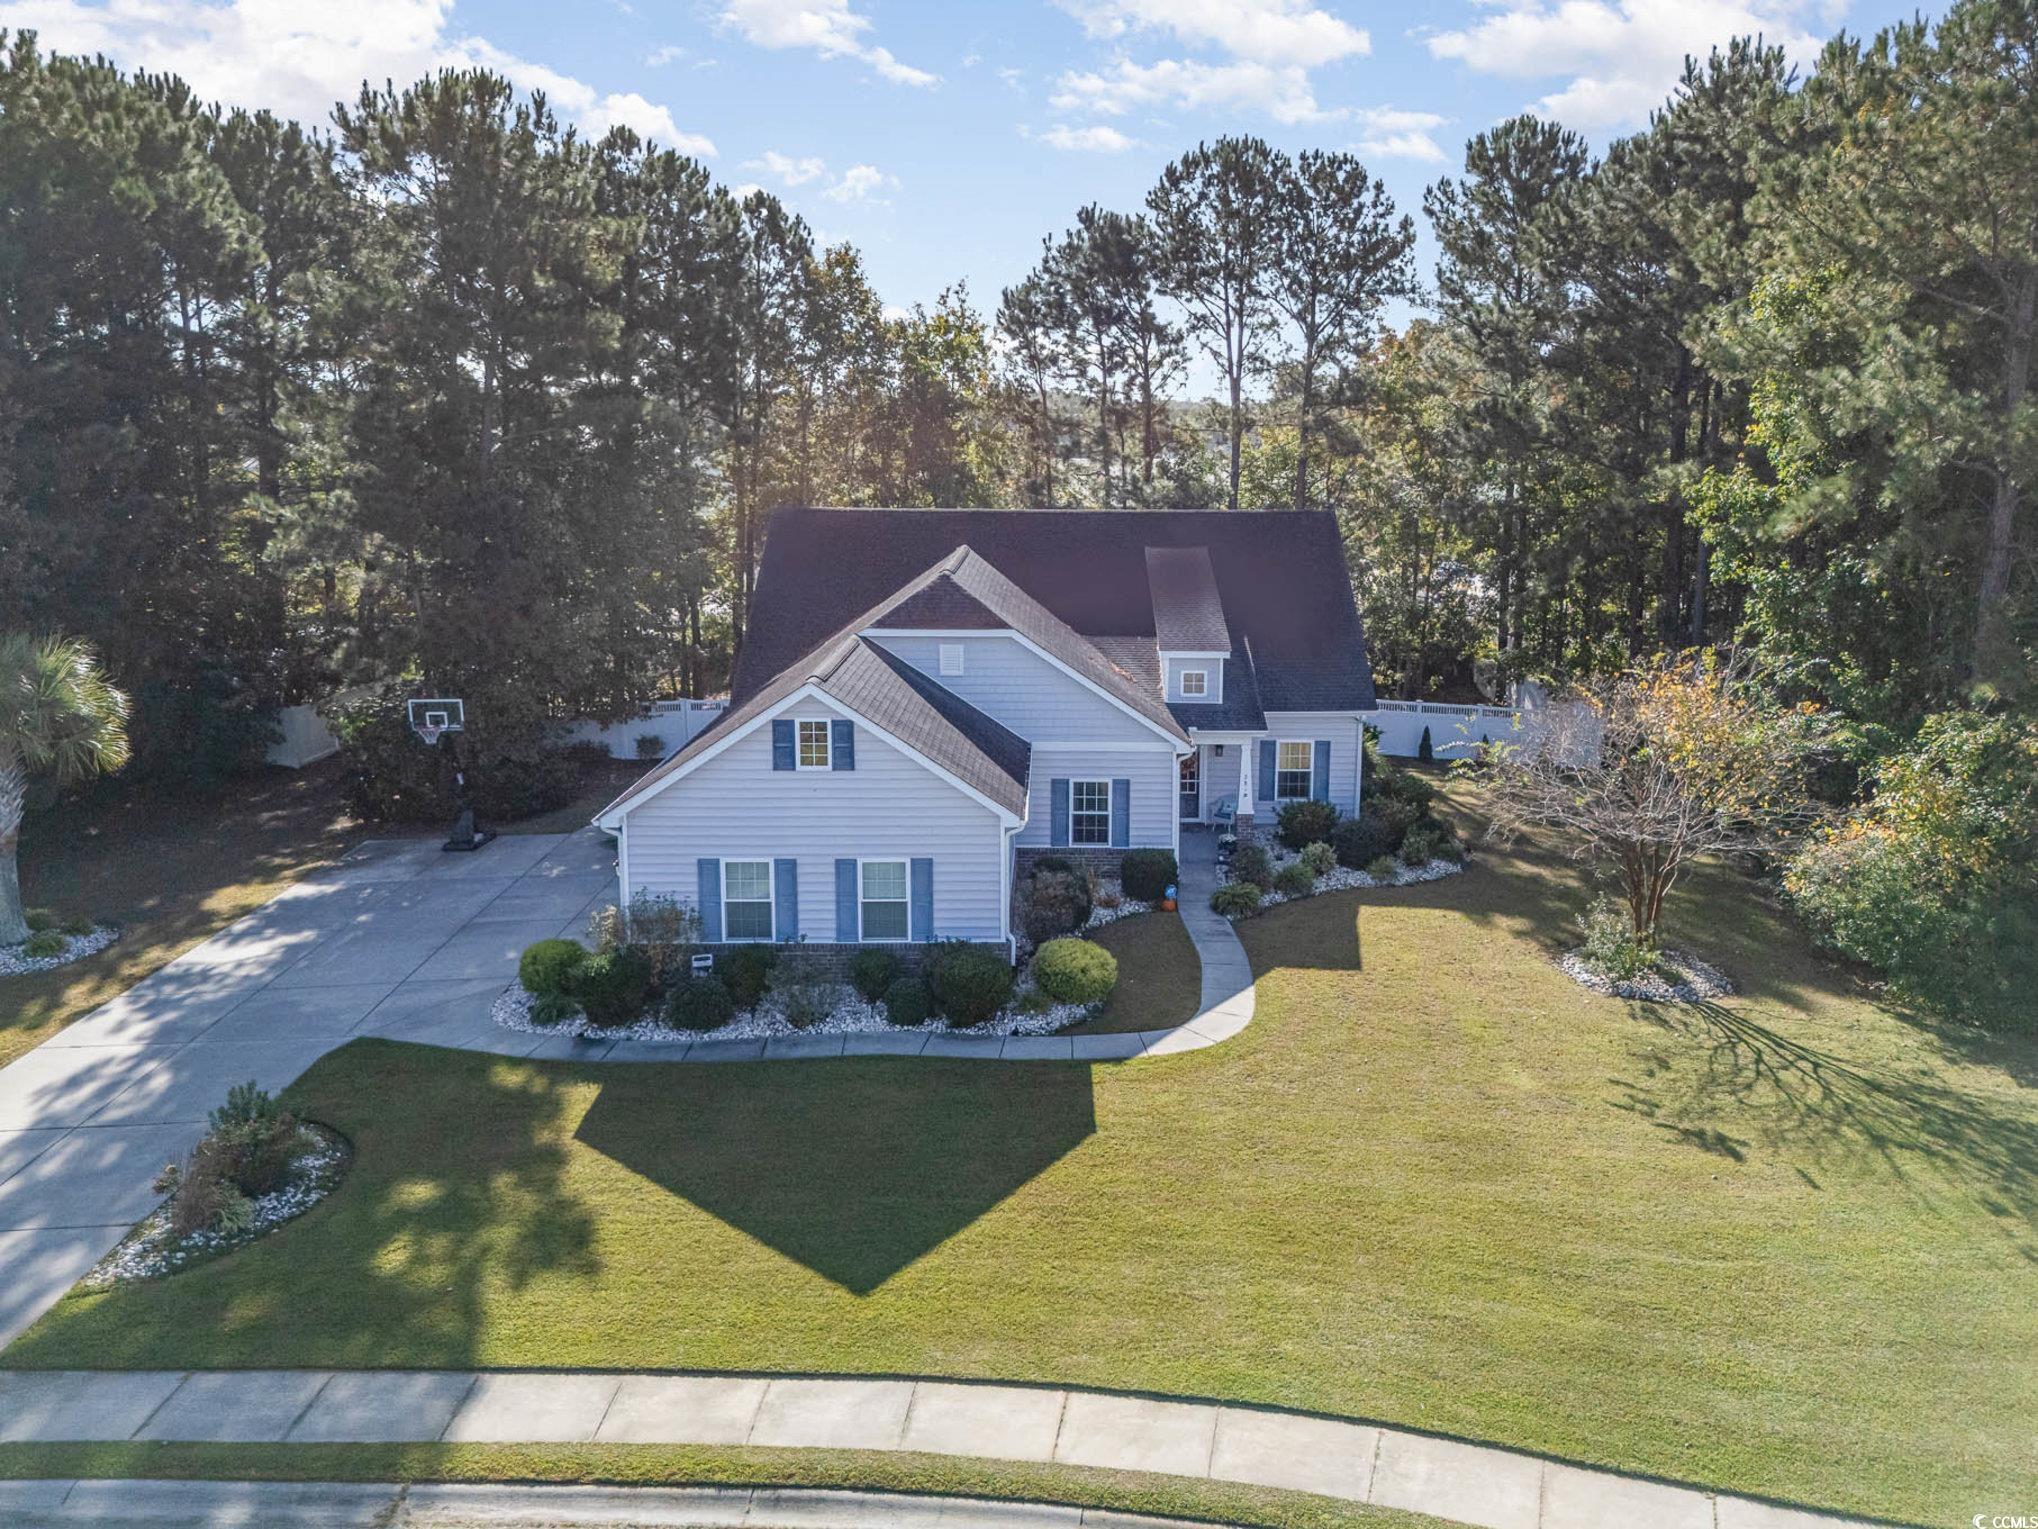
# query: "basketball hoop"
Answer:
x=429 y=733
x=433 y=716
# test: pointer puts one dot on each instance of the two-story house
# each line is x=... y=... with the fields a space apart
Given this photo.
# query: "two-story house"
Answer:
x=928 y=699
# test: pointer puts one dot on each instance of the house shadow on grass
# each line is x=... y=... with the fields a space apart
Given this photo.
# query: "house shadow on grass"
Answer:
x=854 y=1169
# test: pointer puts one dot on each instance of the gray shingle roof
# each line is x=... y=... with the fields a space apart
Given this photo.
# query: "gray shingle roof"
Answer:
x=1187 y=614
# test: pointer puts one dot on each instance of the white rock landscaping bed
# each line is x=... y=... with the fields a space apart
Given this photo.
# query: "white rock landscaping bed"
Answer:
x=850 y=1015
x=1679 y=977
x=149 y=1251
x=1339 y=879
x=16 y=962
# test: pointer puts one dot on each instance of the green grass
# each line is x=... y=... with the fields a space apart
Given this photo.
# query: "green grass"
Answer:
x=681 y=1465
x=171 y=871
x=1159 y=980
x=1785 y=1245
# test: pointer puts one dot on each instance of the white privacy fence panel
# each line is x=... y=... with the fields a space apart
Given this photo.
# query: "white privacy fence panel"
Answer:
x=1455 y=731
x=306 y=738
x=673 y=723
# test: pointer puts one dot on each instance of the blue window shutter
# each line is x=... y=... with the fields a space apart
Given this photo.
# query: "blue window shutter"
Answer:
x=922 y=913
x=711 y=900
x=1058 y=810
x=782 y=743
x=845 y=900
x=1319 y=774
x=1121 y=812
x=842 y=750
x=1263 y=788
x=785 y=891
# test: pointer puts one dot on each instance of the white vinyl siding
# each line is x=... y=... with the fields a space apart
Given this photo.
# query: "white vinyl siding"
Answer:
x=1155 y=787
x=1343 y=730
x=1212 y=670
x=736 y=807
x=1006 y=680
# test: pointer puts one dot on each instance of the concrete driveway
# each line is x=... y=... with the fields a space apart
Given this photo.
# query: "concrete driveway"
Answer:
x=399 y=939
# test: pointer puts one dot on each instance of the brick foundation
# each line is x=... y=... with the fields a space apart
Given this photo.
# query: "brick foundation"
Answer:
x=1101 y=860
x=831 y=962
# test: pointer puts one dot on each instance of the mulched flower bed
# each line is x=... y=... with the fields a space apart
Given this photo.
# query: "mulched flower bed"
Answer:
x=16 y=962
x=150 y=1251
x=1679 y=977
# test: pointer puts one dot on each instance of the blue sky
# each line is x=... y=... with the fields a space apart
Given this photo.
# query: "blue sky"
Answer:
x=945 y=139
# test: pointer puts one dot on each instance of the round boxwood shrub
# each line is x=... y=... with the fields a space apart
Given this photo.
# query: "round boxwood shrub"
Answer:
x=1375 y=832
x=1306 y=822
x=746 y=972
x=614 y=986
x=1294 y=880
x=970 y=983
x=1320 y=859
x=699 y=1003
x=1146 y=874
x=1251 y=862
x=1075 y=971
x=547 y=968
x=1054 y=903
x=1383 y=868
x=1235 y=899
x=871 y=972
x=908 y=1003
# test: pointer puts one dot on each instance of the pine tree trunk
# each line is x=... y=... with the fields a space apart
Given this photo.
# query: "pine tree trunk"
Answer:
x=1306 y=403
x=1237 y=438
x=13 y=801
x=1993 y=648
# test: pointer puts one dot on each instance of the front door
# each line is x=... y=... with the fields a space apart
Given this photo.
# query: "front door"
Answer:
x=1192 y=787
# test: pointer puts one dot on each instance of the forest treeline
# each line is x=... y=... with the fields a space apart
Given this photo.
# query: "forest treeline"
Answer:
x=444 y=392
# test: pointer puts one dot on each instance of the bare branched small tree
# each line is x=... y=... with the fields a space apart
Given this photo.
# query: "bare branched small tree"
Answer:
x=1655 y=767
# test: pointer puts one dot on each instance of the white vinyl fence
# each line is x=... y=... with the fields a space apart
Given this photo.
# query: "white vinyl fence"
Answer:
x=673 y=723
x=1455 y=731
x=306 y=738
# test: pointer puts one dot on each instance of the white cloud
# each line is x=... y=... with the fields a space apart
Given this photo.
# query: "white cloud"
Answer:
x=298 y=60
x=1283 y=92
x=787 y=169
x=1280 y=32
x=1098 y=138
x=1619 y=58
x=658 y=58
x=859 y=183
x=1389 y=132
x=829 y=27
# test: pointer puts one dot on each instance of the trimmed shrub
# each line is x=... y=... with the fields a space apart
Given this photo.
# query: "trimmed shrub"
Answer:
x=666 y=931
x=1146 y=874
x=1235 y=899
x=547 y=969
x=746 y=971
x=43 y=944
x=1251 y=862
x=253 y=1140
x=1374 y=832
x=805 y=1002
x=1612 y=948
x=1407 y=787
x=650 y=746
x=1075 y=971
x=908 y=1002
x=1425 y=750
x=1420 y=847
x=1384 y=869
x=614 y=986
x=1320 y=859
x=1054 y=863
x=699 y=1003
x=1307 y=822
x=970 y=984
x=1055 y=903
x=871 y=972
x=1294 y=880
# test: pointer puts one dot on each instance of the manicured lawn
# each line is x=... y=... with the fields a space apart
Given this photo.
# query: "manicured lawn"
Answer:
x=1159 y=980
x=171 y=872
x=1786 y=1245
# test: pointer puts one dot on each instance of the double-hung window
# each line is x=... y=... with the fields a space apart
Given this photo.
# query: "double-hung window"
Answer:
x=1089 y=812
x=813 y=745
x=883 y=895
x=1293 y=764
x=1196 y=682
x=746 y=900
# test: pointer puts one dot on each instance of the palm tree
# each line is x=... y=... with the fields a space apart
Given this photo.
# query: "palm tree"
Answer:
x=59 y=717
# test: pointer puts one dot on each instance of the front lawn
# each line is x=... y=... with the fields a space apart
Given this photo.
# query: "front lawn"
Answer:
x=1159 y=979
x=1784 y=1245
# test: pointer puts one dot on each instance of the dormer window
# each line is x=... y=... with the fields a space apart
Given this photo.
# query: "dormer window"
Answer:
x=1196 y=682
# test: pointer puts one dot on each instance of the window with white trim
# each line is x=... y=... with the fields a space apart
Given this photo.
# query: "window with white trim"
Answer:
x=1196 y=682
x=1089 y=812
x=813 y=745
x=1294 y=765
x=883 y=898
x=951 y=658
x=746 y=900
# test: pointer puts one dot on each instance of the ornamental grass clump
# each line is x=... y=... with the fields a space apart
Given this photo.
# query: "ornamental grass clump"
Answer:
x=246 y=1152
x=1294 y=880
x=1235 y=899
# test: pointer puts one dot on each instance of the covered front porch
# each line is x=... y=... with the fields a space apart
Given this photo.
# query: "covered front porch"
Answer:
x=1216 y=777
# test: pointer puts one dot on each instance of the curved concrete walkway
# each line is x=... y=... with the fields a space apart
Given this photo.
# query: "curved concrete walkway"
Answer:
x=1355 y=1462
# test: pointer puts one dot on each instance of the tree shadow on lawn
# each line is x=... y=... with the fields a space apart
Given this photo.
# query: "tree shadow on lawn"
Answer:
x=855 y=1169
